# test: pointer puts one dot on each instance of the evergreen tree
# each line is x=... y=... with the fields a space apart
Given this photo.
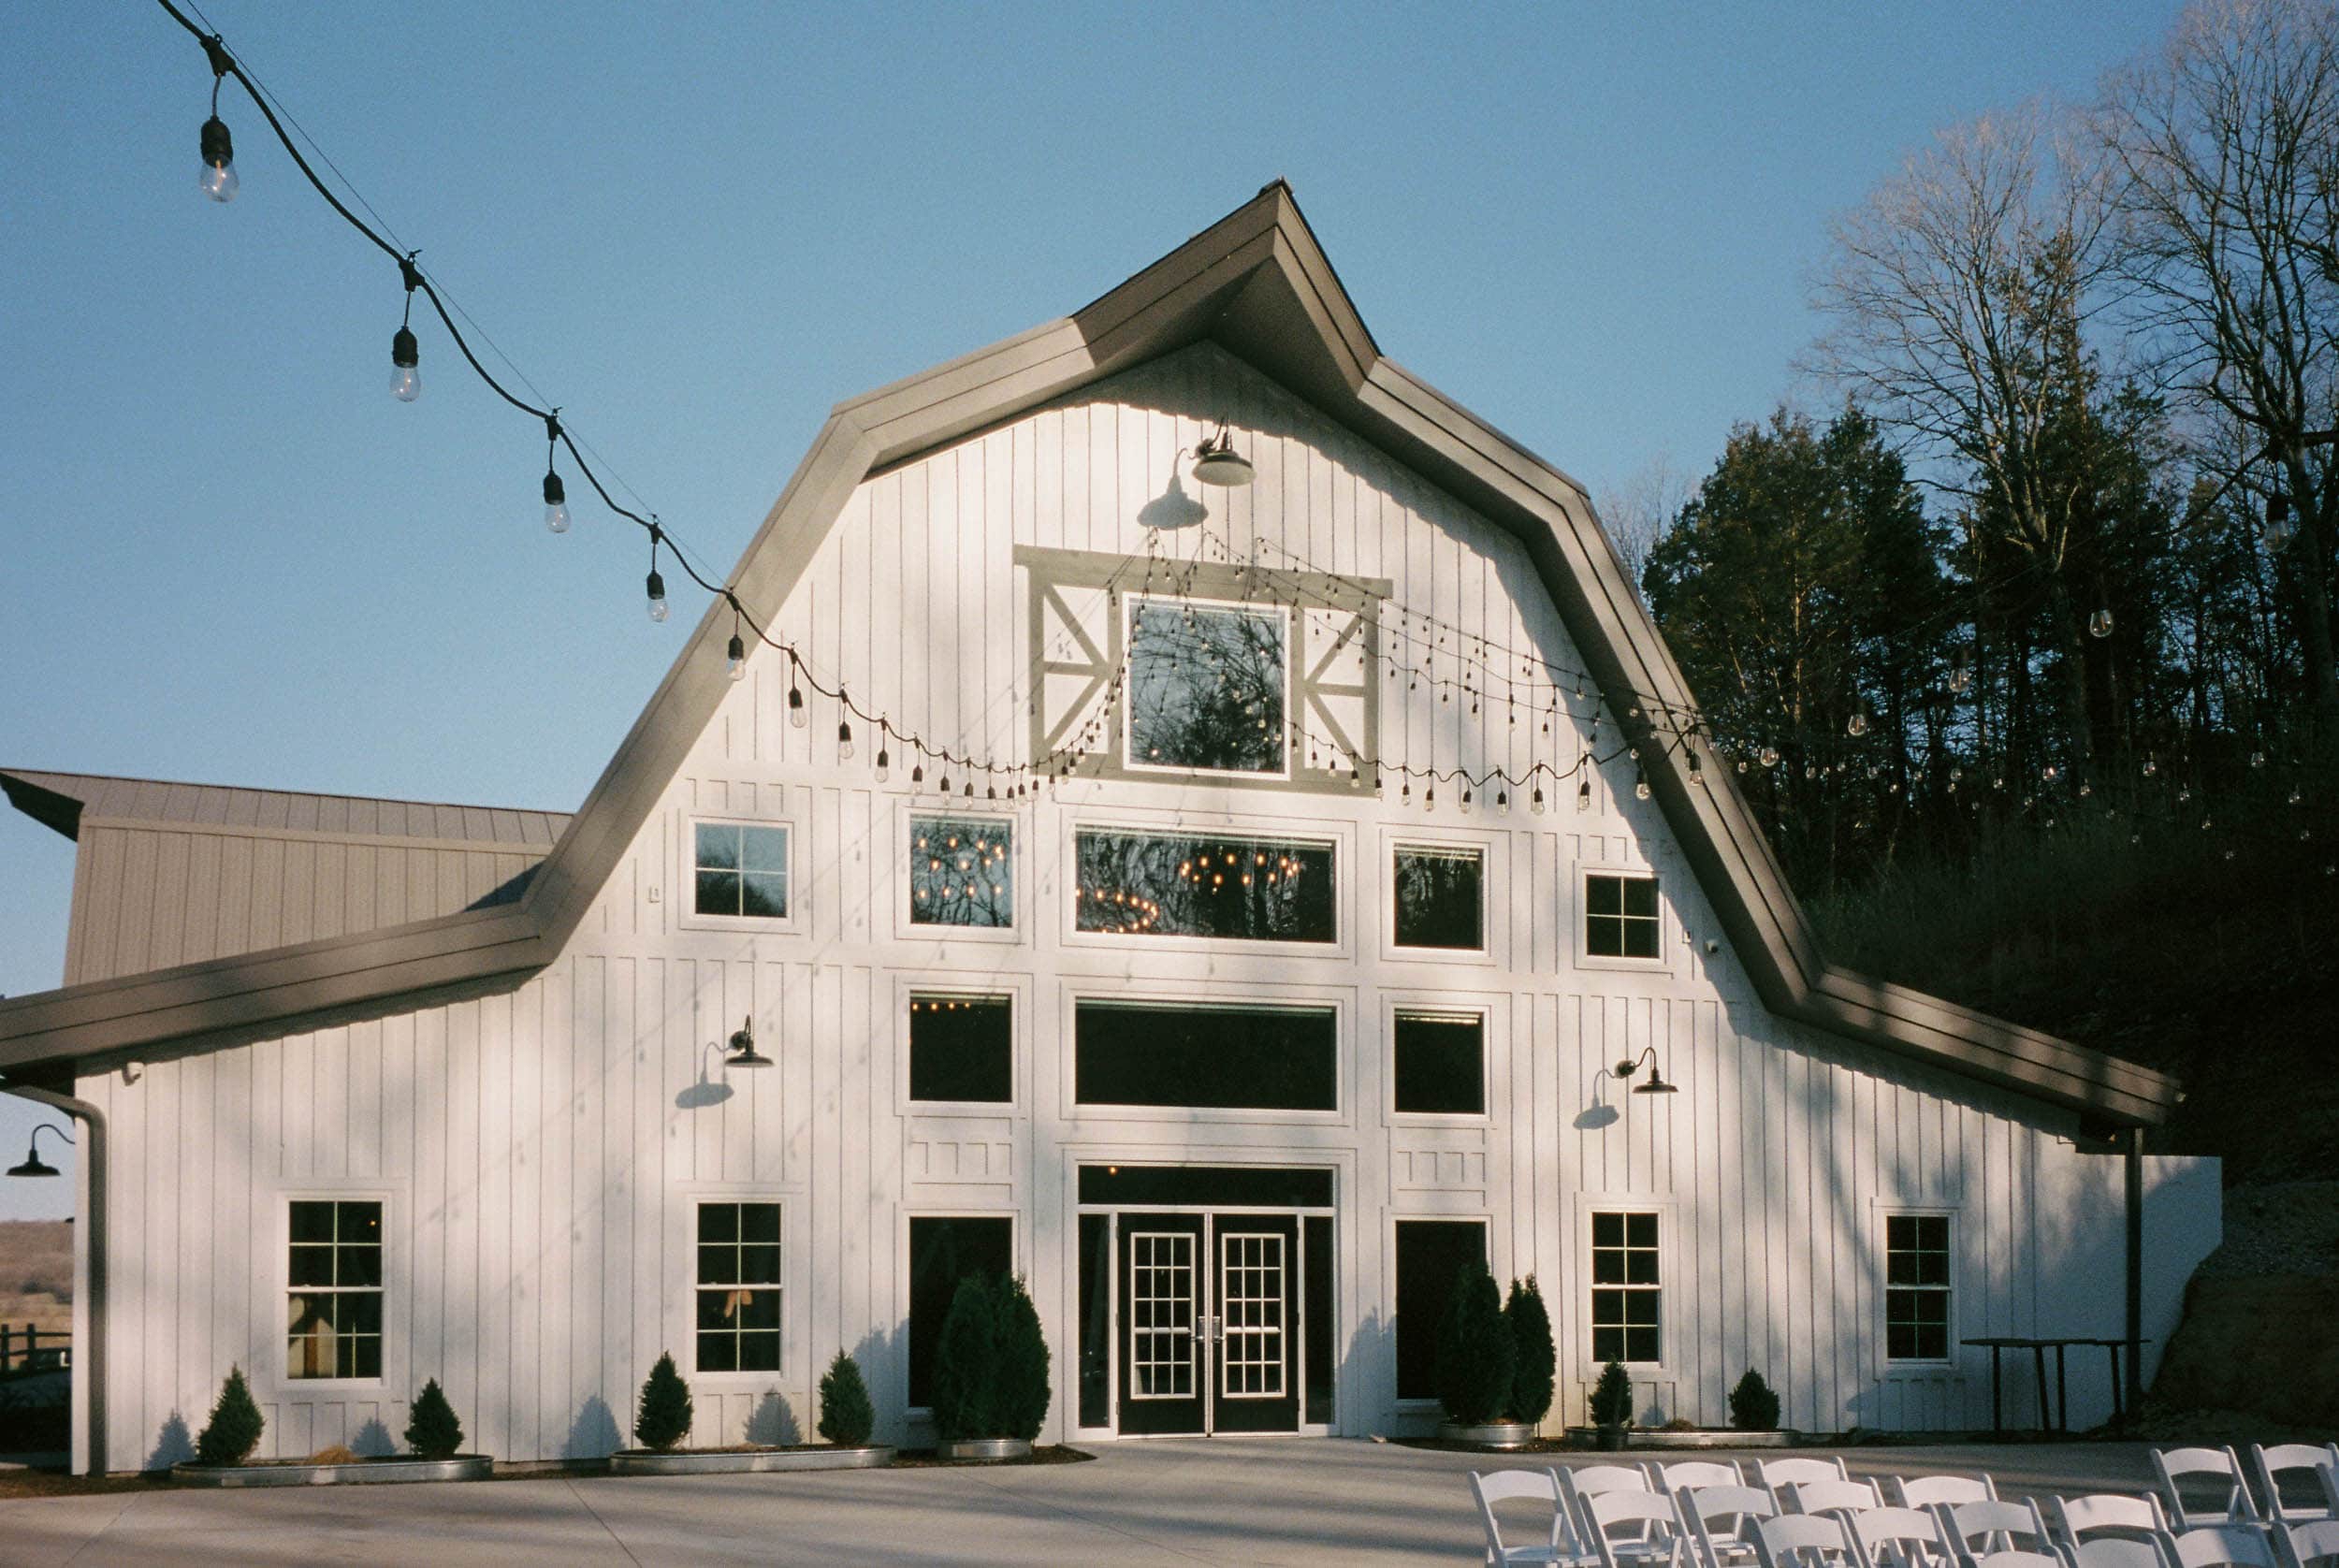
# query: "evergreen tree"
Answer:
x=1024 y=1387
x=433 y=1431
x=966 y=1364
x=1535 y=1361
x=847 y=1418
x=1612 y=1397
x=235 y=1427
x=664 y=1417
x=1753 y=1408
x=1474 y=1354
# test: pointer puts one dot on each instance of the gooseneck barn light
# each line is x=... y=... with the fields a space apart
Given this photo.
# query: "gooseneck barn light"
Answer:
x=1217 y=462
x=33 y=1165
x=743 y=1052
x=1656 y=1084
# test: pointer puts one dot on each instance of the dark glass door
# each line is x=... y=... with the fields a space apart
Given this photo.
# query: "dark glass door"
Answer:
x=1255 y=1326
x=1165 y=1356
x=1210 y=1337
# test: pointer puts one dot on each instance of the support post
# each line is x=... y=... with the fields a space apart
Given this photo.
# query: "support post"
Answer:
x=2133 y=1159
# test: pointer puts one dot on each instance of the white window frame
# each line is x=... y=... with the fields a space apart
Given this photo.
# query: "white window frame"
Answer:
x=1015 y=990
x=1483 y=1008
x=1668 y=1275
x=1337 y=836
x=1338 y=1001
x=1668 y=939
x=1018 y=863
x=694 y=1199
x=1396 y=841
x=685 y=879
x=391 y=1290
x=1885 y=1358
x=1131 y=603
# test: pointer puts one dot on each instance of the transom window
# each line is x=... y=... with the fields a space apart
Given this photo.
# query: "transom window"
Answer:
x=1621 y=917
x=1439 y=1063
x=335 y=1282
x=1916 y=1288
x=1248 y=1058
x=962 y=1048
x=1627 y=1298
x=962 y=871
x=738 y=1287
x=1158 y=884
x=1206 y=686
x=741 y=869
x=1439 y=898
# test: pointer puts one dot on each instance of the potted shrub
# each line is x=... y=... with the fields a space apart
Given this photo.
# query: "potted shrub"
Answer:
x=1754 y=1407
x=235 y=1427
x=990 y=1388
x=431 y=1429
x=664 y=1417
x=1612 y=1404
x=1535 y=1366
x=664 y=1420
x=847 y=1418
x=222 y=1453
x=1476 y=1356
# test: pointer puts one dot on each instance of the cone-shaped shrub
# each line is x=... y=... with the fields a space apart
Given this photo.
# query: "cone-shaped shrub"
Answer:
x=1536 y=1361
x=1612 y=1397
x=847 y=1418
x=1474 y=1353
x=235 y=1427
x=1753 y=1408
x=433 y=1431
x=1021 y=1402
x=665 y=1413
x=966 y=1364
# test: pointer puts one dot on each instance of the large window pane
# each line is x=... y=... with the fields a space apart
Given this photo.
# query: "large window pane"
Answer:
x=1430 y=1255
x=738 y=1315
x=740 y=869
x=1247 y=1058
x=1440 y=1064
x=1916 y=1299
x=1206 y=687
x=1627 y=1302
x=944 y=1249
x=1620 y=917
x=962 y=1048
x=333 y=1277
x=1438 y=898
x=1203 y=885
x=962 y=871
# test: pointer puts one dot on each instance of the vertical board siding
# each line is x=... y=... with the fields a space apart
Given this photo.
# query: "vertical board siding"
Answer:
x=542 y=1153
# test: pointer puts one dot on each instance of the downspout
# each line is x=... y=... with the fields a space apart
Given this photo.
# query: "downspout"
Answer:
x=89 y=1276
x=2133 y=1157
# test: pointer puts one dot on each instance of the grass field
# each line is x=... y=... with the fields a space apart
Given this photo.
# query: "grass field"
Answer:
x=36 y=1274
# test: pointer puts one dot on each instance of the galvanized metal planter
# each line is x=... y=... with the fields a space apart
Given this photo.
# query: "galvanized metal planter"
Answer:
x=1713 y=1438
x=984 y=1448
x=462 y=1467
x=649 y=1461
x=1488 y=1434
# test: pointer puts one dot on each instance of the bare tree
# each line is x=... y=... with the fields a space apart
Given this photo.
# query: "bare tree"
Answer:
x=1640 y=512
x=2224 y=145
x=1958 y=294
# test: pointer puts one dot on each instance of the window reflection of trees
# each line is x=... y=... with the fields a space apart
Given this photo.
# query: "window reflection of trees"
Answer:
x=1437 y=898
x=962 y=871
x=1206 y=688
x=1193 y=885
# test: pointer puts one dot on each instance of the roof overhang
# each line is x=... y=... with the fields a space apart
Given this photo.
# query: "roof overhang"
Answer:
x=1259 y=285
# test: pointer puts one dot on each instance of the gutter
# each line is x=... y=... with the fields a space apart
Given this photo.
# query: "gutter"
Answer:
x=89 y=1275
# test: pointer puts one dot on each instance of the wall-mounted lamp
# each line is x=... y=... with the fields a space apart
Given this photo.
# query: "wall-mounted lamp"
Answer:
x=33 y=1165
x=743 y=1052
x=1656 y=1084
x=1217 y=462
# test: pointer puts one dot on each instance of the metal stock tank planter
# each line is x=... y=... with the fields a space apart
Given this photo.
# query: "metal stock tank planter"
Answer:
x=983 y=1448
x=731 y=1461
x=300 y=1473
x=1486 y=1434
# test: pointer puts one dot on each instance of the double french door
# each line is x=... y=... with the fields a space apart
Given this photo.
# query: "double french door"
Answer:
x=1209 y=1322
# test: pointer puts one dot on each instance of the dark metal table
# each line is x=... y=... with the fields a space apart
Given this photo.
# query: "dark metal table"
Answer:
x=1998 y=1344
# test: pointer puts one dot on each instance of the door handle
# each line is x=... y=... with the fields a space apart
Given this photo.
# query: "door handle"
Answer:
x=1214 y=1328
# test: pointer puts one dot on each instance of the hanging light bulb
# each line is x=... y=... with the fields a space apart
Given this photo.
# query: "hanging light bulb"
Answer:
x=2258 y=759
x=1535 y=803
x=1640 y=782
x=2151 y=765
x=556 y=497
x=917 y=773
x=405 y=353
x=219 y=148
x=1858 y=725
x=656 y=586
x=1697 y=773
x=844 y=741
x=1583 y=793
x=2099 y=623
x=2281 y=527
x=884 y=763
x=1465 y=801
x=1503 y=802
x=1960 y=674
x=797 y=716
x=1770 y=756
x=736 y=658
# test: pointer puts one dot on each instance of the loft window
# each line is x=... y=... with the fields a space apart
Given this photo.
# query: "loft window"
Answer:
x=738 y=1287
x=945 y=1249
x=1620 y=916
x=1206 y=687
x=335 y=1280
x=962 y=1048
x=1153 y=884
x=1440 y=1064
x=1627 y=1297
x=1439 y=898
x=962 y=871
x=1206 y=1058
x=741 y=869
x=1916 y=1288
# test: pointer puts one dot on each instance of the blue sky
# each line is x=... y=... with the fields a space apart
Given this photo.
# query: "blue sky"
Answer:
x=230 y=556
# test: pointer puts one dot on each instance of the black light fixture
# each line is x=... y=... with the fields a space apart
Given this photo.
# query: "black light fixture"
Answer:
x=1217 y=462
x=405 y=353
x=218 y=146
x=33 y=1165
x=1656 y=1084
x=743 y=1052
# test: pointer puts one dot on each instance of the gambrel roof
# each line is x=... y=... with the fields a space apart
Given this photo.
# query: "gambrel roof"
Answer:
x=1257 y=284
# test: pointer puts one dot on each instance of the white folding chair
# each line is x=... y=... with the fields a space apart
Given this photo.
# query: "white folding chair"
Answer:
x=1923 y=1491
x=2020 y=1559
x=1830 y=1497
x=1562 y=1550
x=2315 y=1542
x=2221 y=1545
x=1683 y=1474
x=2316 y=1498
x=1717 y=1519
x=1992 y=1528
x=1801 y=1541
x=1786 y=1473
x=1633 y=1529
x=2114 y=1551
x=2105 y=1515
x=2230 y=1502
x=1898 y=1538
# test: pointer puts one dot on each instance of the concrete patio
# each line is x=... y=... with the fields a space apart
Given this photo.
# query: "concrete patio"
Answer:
x=1283 y=1501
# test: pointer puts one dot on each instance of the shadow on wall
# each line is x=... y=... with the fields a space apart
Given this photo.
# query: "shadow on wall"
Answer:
x=372 y=1440
x=1370 y=1357
x=773 y=1420
x=593 y=1435
x=173 y=1445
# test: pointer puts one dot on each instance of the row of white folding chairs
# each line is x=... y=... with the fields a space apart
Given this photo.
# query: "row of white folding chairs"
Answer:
x=2315 y=1496
x=1892 y=1535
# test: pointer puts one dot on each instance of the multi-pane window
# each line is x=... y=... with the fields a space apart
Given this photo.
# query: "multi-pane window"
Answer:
x=740 y=869
x=962 y=871
x=738 y=1287
x=335 y=1288
x=1620 y=916
x=1627 y=1300
x=1916 y=1288
x=1438 y=898
x=1209 y=1058
x=1163 y=884
x=1206 y=687
x=1440 y=1062
x=962 y=1048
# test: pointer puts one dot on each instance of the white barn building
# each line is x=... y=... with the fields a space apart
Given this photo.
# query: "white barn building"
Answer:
x=377 y=1092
